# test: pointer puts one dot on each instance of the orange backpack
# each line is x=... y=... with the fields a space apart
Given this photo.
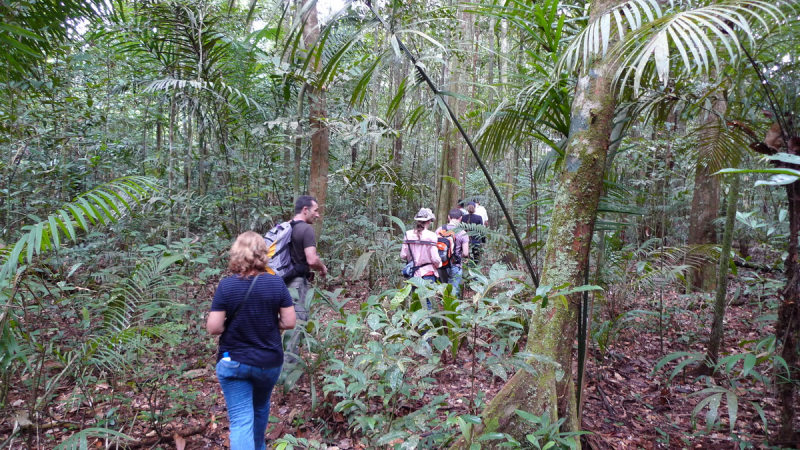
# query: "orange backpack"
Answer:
x=446 y=243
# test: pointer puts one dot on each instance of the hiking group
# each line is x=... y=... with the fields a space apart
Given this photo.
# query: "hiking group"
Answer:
x=253 y=306
x=439 y=256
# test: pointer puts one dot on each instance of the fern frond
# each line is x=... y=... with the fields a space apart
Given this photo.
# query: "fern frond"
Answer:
x=105 y=204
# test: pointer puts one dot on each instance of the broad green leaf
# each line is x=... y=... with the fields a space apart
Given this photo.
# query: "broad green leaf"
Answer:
x=661 y=56
x=392 y=436
x=777 y=180
x=54 y=231
x=475 y=420
x=361 y=265
x=532 y=418
x=78 y=215
x=66 y=224
x=491 y=436
x=781 y=171
x=20 y=32
x=733 y=408
x=749 y=363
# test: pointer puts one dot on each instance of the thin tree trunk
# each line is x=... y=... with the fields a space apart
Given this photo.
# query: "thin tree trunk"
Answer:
x=450 y=167
x=717 y=329
x=170 y=168
x=373 y=146
x=298 y=146
x=320 y=133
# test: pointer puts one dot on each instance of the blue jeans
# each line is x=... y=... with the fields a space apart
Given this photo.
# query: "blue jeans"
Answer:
x=432 y=279
x=454 y=277
x=247 y=392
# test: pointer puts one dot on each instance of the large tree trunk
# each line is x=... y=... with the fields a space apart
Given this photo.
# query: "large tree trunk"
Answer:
x=320 y=133
x=705 y=202
x=787 y=328
x=553 y=327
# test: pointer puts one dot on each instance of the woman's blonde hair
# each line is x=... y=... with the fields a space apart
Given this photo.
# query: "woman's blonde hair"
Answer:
x=248 y=254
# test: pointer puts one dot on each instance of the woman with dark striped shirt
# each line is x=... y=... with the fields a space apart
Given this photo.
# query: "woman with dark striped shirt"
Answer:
x=249 y=310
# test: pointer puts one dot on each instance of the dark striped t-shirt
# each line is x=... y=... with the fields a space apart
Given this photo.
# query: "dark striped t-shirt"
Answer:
x=253 y=338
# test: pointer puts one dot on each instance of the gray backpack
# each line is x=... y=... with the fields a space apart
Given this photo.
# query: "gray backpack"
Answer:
x=278 y=240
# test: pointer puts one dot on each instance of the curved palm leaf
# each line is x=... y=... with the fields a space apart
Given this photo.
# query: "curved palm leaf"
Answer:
x=698 y=32
x=595 y=38
x=645 y=31
x=720 y=146
x=665 y=265
x=80 y=440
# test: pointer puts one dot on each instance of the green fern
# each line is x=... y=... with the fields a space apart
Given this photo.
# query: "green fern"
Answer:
x=101 y=206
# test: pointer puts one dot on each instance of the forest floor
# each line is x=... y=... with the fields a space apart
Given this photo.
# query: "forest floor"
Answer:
x=627 y=404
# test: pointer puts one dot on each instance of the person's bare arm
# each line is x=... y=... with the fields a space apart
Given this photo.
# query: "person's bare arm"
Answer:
x=215 y=324
x=314 y=261
x=287 y=319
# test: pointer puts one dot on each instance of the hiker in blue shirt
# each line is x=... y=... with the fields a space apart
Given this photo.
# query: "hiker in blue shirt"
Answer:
x=249 y=310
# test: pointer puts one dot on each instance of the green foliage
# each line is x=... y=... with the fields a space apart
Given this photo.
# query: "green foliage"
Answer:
x=545 y=434
x=31 y=31
x=605 y=334
x=388 y=353
x=742 y=373
x=80 y=440
x=178 y=122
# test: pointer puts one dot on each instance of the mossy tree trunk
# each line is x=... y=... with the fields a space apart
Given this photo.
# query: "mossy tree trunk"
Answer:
x=553 y=327
x=717 y=326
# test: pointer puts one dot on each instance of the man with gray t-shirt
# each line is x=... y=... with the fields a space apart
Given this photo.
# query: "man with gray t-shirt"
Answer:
x=303 y=251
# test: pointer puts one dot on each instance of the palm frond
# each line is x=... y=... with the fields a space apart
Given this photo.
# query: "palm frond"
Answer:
x=147 y=285
x=699 y=32
x=31 y=30
x=540 y=112
x=595 y=39
x=691 y=37
x=720 y=146
x=666 y=265
x=80 y=440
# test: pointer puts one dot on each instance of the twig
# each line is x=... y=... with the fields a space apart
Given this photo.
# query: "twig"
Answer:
x=167 y=438
x=607 y=404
